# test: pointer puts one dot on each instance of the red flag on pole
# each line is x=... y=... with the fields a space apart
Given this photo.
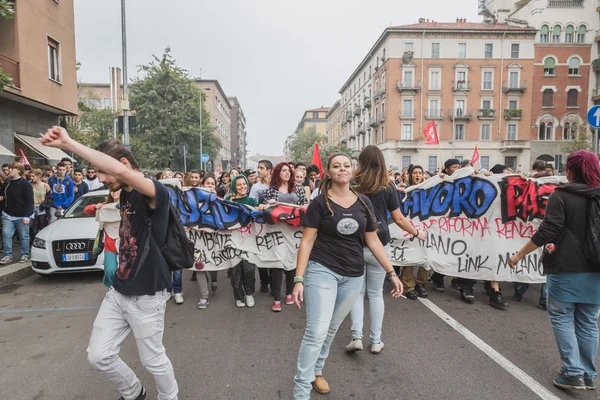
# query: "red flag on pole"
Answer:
x=430 y=133
x=24 y=160
x=316 y=159
x=475 y=157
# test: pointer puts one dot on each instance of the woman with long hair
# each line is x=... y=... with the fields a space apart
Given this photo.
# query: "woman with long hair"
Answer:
x=572 y=272
x=338 y=224
x=223 y=186
x=300 y=177
x=166 y=174
x=283 y=189
x=372 y=181
x=179 y=176
x=41 y=192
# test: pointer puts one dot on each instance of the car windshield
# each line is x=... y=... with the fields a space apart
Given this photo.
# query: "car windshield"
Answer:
x=76 y=210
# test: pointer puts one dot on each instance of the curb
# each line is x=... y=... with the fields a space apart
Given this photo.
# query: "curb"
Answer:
x=15 y=272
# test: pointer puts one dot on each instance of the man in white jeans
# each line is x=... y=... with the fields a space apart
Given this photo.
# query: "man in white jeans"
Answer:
x=136 y=301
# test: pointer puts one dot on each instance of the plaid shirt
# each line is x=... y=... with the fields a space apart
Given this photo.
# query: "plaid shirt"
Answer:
x=273 y=194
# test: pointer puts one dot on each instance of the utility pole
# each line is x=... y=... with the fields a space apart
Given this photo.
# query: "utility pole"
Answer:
x=201 y=91
x=125 y=102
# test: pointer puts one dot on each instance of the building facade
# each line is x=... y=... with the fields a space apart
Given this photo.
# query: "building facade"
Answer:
x=220 y=110
x=334 y=124
x=315 y=118
x=472 y=80
x=37 y=49
x=239 y=144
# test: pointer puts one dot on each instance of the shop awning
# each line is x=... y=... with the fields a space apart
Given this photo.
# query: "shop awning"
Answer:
x=6 y=152
x=49 y=153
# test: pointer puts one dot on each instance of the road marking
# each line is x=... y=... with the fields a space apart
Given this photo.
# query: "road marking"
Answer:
x=511 y=368
x=26 y=310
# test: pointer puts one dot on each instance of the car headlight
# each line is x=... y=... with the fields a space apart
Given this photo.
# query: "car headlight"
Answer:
x=39 y=243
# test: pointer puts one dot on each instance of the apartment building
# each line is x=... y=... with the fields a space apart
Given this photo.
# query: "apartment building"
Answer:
x=334 y=124
x=37 y=49
x=239 y=144
x=219 y=108
x=315 y=118
x=471 y=79
x=103 y=95
x=564 y=83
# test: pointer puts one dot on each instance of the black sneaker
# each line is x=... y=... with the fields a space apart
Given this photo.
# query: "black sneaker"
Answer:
x=570 y=382
x=264 y=287
x=497 y=301
x=487 y=286
x=518 y=297
x=141 y=396
x=541 y=306
x=421 y=291
x=454 y=284
x=412 y=295
x=590 y=383
x=467 y=296
x=438 y=286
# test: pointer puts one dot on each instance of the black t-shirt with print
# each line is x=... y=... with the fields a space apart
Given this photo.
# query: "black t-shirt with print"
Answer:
x=383 y=201
x=341 y=236
x=142 y=268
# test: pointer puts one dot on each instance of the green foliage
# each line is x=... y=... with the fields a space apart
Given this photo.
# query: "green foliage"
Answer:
x=166 y=104
x=5 y=79
x=7 y=10
x=583 y=141
x=302 y=146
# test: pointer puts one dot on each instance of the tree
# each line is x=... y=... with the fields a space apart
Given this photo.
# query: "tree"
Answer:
x=166 y=104
x=302 y=146
x=7 y=11
x=583 y=141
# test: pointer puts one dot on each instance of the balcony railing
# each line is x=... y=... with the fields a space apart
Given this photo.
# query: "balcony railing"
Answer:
x=461 y=85
x=356 y=109
x=408 y=85
x=511 y=86
x=596 y=94
x=367 y=102
x=380 y=92
x=565 y=3
x=362 y=131
x=407 y=145
x=434 y=114
x=486 y=113
x=513 y=145
x=513 y=113
x=11 y=67
x=381 y=119
x=407 y=114
x=348 y=116
x=343 y=139
x=460 y=114
x=352 y=135
x=373 y=122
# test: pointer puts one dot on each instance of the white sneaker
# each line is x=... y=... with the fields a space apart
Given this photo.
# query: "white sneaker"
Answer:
x=250 y=301
x=354 y=345
x=6 y=260
x=168 y=298
x=240 y=303
x=203 y=303
x=376 y=347
x=179 y=298
x=24 y=259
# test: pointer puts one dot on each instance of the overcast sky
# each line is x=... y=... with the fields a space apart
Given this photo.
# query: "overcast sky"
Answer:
x=279 y=57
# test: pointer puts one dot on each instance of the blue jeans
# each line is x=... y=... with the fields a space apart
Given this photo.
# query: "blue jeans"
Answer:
x=373 y=286
x=575 y=328
x=177 y=284
x=328 y=299
x=521 y=288
x=8 y=231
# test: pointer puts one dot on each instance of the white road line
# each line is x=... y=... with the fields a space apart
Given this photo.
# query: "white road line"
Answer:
x=511 y=368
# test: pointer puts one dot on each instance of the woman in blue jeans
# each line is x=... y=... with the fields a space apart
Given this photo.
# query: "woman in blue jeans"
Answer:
x=338 y=224
x=372 y=180
x=573 y=277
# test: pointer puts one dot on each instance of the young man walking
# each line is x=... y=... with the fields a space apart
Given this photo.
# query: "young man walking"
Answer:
x=265 y=169
x=80 y=187
x=136 y=301
x=92 y=180
x=63 y=191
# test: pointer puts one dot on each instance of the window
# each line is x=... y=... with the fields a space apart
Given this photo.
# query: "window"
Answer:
x=513 y=104
x=513 y=79
x=485 y=162
x=460 y=108
x=435 y=50
x=549 y=65
x=382 y=135
x=546 y=131
x=570 y=131
x=461 y=77
x=572 y=97
x=462 y=50
x=434 y=108
x=544 y=34
x=382 y=110
x=511 y=162
x=574 y=65
x=434 y=80
x=408 y=78
x=569 y=34
x=511 y=132
x=556 y=34
x=407 y=132
x=581 y=34
x=408 y=46
x=487 y=80
x=514 y=50
x=558 y=165
x=432 y=163
x=53 y=60
x=459 y=133
x=486 y=130
x=407 y=108
x=489 y=50
x=359 y=85
x=405 y=161
x=486 y=104
x=548 y=98
x=315 y=115
x=369 y=138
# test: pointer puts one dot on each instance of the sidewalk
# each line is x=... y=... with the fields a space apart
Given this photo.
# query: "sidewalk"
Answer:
x=15 y=271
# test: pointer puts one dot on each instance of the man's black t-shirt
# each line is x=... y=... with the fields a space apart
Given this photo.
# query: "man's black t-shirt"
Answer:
x=341 y=236
x=383 y=201
x=142 y=268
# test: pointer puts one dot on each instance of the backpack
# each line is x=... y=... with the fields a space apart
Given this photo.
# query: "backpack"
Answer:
x=591 y=242
x=178 y=249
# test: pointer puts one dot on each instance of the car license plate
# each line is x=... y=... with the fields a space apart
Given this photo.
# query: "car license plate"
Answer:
x=75 y=257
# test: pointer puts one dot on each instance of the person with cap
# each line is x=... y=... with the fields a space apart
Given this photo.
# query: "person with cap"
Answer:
x=252 y=177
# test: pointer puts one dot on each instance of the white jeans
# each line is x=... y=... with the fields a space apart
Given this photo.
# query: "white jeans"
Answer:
x=145 y=317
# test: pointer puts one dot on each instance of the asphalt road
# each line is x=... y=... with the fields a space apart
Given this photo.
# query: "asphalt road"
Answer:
x=224 y=352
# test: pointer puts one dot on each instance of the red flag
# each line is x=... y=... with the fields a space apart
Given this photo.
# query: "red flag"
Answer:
x=475 y=157
x=24 y=160
x=430 y=133
x=316 y=159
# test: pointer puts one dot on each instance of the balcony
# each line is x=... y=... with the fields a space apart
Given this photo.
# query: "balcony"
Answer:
x=11 y=67
x=596 y=94
x=513 y=113
x=373 y=122
x=461 y=86
x=460 y=114
x=380 y=92
x=565 y=3
x=486 y=114
x=407 y=145
x=511 y=86
x=348 y=116
x=407 y=114
x=596 y=65
x=352 y=135
x=367 y=102
x=356 y=109
x=382 y=119
x=513 y=145
x=362 y=131
x=343 y=139
x=408 y=85
x=434 y=114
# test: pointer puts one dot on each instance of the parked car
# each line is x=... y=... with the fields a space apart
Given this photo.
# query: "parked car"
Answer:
x=67 y=245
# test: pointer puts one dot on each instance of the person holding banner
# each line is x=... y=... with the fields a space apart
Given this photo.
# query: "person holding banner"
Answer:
x=338 y=224
x=373 y=181
x=571 y=262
